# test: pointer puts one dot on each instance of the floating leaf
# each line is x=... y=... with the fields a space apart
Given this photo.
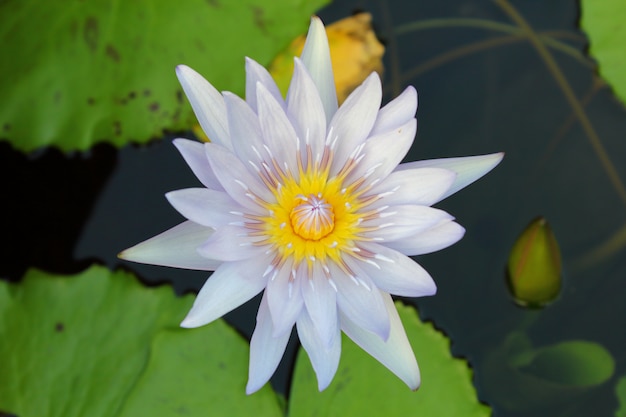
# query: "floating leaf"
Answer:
x=363 y=387
x=603 y=21
x=534 y=267
x=573 y=362
x=101 y=344
x=98 y=71
x=524 y=378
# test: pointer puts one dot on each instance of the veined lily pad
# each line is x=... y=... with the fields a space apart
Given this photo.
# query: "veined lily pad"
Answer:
x=363 y=387
x=101 y=344
x=75 y=74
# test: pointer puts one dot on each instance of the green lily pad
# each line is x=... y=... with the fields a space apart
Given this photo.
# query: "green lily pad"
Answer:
x=76 y=74
x=603 y=21
x=101 y=344
x=363 y=387
x=574 y=362
x=620 y=390
x=525 y=378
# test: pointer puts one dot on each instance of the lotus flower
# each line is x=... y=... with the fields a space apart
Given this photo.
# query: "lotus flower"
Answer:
x=307 y=203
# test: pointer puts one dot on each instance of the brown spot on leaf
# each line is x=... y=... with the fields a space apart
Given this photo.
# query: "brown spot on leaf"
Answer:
x=153 y=106
x=147 y=93
x=214 y=3
x=179 y=96
x=57 y=96
x=117 y=128
x=257 y=15
x=6 y=127
x=132 y=95
x=91 y=33
x=91 y=101
x=59 y=327
x=112 y=53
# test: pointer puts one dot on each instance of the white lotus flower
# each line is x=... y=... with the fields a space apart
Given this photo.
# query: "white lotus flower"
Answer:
x=306 y=202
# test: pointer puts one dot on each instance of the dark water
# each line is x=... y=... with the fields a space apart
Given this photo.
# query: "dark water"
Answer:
x=480 y=92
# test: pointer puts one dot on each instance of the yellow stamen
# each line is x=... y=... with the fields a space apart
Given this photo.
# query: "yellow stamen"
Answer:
x=313 y=219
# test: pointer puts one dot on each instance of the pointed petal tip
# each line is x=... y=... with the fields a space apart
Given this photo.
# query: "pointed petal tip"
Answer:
x=496 y=157
x=322 y=385
x=316 y=58
x=254 y=384
x=132 y=254
x=189 y=323
x=182 y=70
x=181 y=142
x=416 y=385
x=467 y=168
x=316 y=22
x=251 y=389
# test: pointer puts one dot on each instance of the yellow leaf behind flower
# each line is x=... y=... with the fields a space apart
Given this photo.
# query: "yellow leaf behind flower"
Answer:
x=354 y=51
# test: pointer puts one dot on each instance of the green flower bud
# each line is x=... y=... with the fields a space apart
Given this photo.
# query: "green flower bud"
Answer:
x=534 y=266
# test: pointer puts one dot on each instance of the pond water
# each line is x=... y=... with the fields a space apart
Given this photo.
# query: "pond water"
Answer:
x=481 y=90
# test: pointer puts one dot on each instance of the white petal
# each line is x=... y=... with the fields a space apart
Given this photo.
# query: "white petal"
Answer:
x=266 y=350
x=207 y=103
x=468 y=168
x=176 y=247
x=245 y=132
x=324 y=358
x=397 y=112
x=231 y=285
x=396 y=353
x=230 y=243
x=421 y=186
x=383 y=153
x=278 y=132
x=316 y=58
x=256 y=73
x=431 y=240
x=394 y=272
x=284 y=298
x=242 y=186
x=194 y=155
x=206 y=207
x=352 y=123
x=320 y=299
x=305 y=107
x=359 y=300
x=398 y=222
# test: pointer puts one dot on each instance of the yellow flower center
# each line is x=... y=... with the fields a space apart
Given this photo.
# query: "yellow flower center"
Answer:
x=314 y=216
x=313 y=219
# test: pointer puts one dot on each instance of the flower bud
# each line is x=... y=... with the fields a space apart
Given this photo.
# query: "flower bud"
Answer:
x=534 y=266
